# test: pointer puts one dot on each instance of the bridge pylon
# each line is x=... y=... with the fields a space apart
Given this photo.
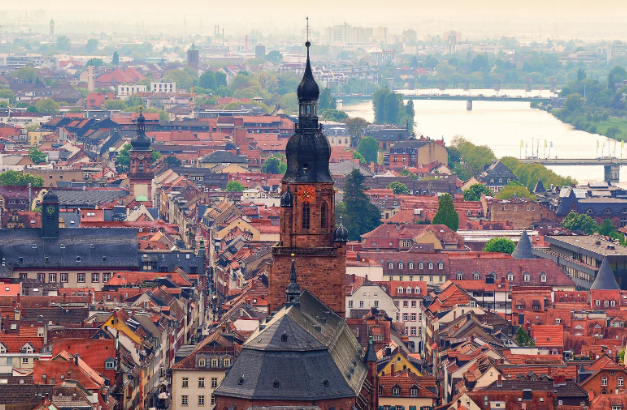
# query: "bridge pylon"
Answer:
x=612 y=173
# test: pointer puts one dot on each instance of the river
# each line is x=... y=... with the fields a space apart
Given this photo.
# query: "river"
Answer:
x=502 y=126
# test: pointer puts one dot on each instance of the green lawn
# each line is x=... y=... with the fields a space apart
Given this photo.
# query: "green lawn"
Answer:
x=621 y=123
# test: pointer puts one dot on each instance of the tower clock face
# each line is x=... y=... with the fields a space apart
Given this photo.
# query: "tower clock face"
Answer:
x=50 y=209
x=307 y=194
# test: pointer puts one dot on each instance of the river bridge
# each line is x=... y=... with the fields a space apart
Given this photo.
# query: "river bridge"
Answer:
x=611 y=165
x=446 y=97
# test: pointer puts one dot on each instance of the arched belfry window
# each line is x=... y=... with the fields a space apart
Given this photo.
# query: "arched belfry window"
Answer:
x=306 y=215
x=323 y=216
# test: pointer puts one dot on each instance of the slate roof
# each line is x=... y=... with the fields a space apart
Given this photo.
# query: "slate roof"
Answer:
x=567 y=389
x=307 y=351
x=496 y=171
x=346 y=167
x=89 y=197
x=523 y=248
x=223 y=157
x=539 y=188
x=605 y=279
x=74 y=248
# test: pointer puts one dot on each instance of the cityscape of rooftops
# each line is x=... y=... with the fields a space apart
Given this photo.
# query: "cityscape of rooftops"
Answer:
x=331 y=206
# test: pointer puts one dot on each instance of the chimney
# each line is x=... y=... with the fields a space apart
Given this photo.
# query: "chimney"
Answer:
x=499 y=382
x=459 y=404
x=392 y=370
x=76 y=359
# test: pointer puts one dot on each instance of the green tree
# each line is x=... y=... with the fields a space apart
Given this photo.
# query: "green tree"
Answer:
x=446 y=214
x=7 y=93
x=208 y=80
x=580 y=223
x=473 y=157
x=274 y=164
x=92 y=45
x=275 y=57
x=357 y=155
x=474 y=192
x=115 y=59
x=37 y=156
x=26 y=74
x=220 y=79
x=515 y=189
x=378 y=103
x=32 y=108
x=369 y=149
x=334 y=115
x=15 y=178
x=573 y=102
x=407 y=173
x=612 y=131
x=358 y=215
x=522 y=339
x=503 y=245
x=608 y=229
x=47 y=106
x=326 y=100
x=398 y=188
x=63 y=43
x=114 y=105
x=235 y=186
x=173 y=161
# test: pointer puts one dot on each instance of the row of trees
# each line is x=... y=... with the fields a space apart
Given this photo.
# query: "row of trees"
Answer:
x=390 y=109
x=467 y=159
x=584 y=223
x=15 y=178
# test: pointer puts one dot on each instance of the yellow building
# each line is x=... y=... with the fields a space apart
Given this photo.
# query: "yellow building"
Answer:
x=36 y=137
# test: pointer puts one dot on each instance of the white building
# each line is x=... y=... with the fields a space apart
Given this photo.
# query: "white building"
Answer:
x=370 y=296
x=616 y=49
x=163 y=87
x=407 y=296
x=125 y=91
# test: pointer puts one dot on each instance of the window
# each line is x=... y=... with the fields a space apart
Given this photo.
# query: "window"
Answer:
x=413 y=302
x=24 y=359
x=475 y=276
x=323 y=216
x=430 y=265
x=376 y=303
x=459 y=276
x=396 y=391
x=80 y=277
x=214 y=382
x=214 y=362
x=306 y=212
x=440 y=265
x=408 y=290
x=400 y=265
x=110 y=364
x=202 y=362
x=201 y=382
x=213 y=400
x=184 y=400
x=405 y=304
x=226 y=362
x=603 y=381
x=63 y=278
x=413 y=392
x=619 y=381
x=527 y=277
x=413 y=331
x=543 y=277
x=390 y=265
x=52 y=278
x=201 y=400
x=510 y=277
x=95 y=278
x=413 y=317
x=405 y=317
x=421 y=265
x=185 y=382
x=41 y=277
x=350 y=303
x=106 y=277
x=361 y=303
x=410 y=265
x=400 y=290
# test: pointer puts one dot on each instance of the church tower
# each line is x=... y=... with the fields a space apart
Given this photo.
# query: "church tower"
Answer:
x=308 y=212
x=140 y=157
x=50 y=216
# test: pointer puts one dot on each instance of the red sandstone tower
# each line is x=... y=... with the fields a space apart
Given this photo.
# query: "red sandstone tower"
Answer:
x=140 y=155
x=308 y=212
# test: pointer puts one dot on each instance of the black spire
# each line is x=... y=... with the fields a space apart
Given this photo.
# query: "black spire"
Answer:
x=141 y=142
x=292 y=292
x=370 y=355
x=523 y=248
x=308 y=150
x=605 y=279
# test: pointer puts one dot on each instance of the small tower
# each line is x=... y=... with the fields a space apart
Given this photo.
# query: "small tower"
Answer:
x=51 y=28
x=292 y=291
x=50 y=216
x=523 y=249
x=370 y=359
x=605 y=279
x=139 y=168
x=193 y=57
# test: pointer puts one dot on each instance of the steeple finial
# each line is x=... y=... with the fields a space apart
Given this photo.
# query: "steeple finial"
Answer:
x=292 y=292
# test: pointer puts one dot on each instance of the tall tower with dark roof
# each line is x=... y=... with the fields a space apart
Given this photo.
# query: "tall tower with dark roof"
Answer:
x=140 y=155
x=308 y=211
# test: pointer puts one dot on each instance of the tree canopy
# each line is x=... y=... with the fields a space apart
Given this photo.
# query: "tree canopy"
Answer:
x=358 y=214
x=446 y=214
x=390 y=109
x=580 y=222
x=474 y=192
x=504 y=245
x=235 y=186
x=274 y=164
x=369 y=149
x=398 y=188
x=37 y=156
x=15 y=178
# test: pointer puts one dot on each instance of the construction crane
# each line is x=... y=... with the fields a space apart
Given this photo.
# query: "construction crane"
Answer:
x=192 y=96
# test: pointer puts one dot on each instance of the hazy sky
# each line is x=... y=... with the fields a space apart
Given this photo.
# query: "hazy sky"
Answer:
x=549 y=16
